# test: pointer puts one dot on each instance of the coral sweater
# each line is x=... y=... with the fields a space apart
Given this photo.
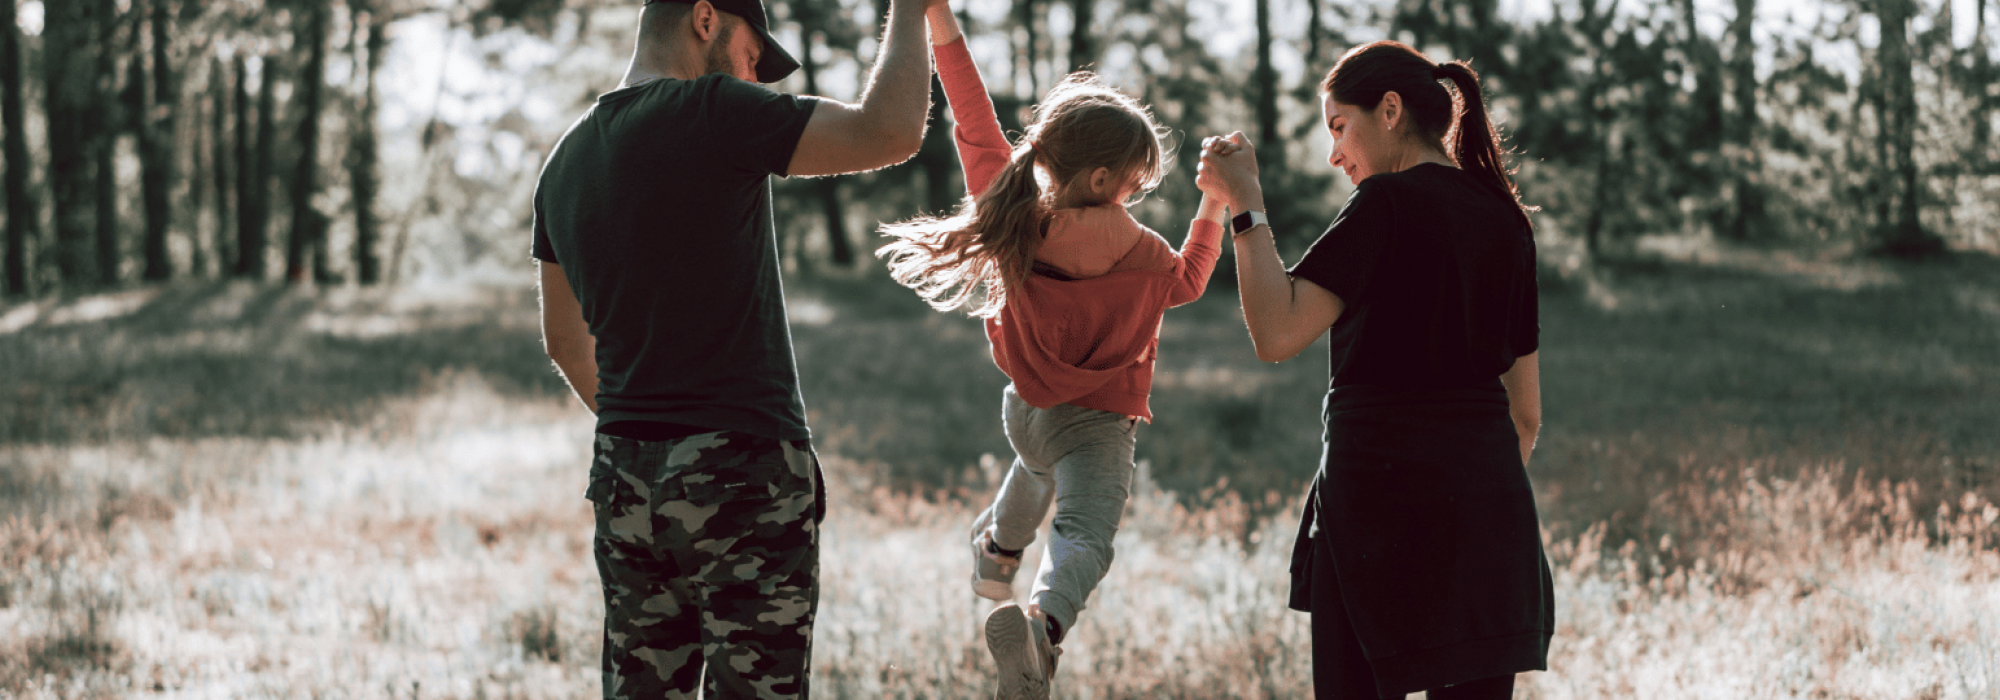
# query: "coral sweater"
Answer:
x=1089 y=340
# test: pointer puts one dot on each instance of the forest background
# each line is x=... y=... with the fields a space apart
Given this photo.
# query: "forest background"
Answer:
x=275 y=420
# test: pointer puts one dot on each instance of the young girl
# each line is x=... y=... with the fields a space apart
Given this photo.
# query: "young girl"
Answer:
x=1072 y=289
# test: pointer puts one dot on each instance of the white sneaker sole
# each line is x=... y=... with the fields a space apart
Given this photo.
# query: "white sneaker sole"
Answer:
x=1007 y=638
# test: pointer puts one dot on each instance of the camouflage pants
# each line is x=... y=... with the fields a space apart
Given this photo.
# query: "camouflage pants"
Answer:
x=708 y=548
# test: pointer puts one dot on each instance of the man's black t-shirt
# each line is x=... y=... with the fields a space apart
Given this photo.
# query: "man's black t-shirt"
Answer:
x=1437 y=274
x=657 y=205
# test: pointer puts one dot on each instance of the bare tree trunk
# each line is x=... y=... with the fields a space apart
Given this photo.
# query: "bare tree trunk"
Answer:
x=1592 y=22
x=66 y=40
x=1025 y=13
x=156 y=146
x=249 y=180
x=104 y=143
x=1315 y=26
x=1267 y=88
x=1745 y=160
x=839 y=249
x=23 y=222
x=1706 y=128
x=306 y=221
x=362 y=153
x=1082 y=51
x=1906 y=236
x=220 y=163
x=1982 y=76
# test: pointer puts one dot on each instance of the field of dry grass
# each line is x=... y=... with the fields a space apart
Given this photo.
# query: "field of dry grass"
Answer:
x=242 y=492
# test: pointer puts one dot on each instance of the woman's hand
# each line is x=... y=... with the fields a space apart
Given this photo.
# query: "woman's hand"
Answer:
x=1228 y=172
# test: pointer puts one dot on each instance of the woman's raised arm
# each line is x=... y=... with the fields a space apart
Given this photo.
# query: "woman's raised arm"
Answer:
x=1284 y=314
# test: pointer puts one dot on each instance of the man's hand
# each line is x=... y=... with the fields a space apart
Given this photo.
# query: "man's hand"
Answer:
x=887 y=126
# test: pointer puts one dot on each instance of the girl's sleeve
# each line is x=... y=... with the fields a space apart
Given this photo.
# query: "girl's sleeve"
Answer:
x=1197 y=261
x=982 y=148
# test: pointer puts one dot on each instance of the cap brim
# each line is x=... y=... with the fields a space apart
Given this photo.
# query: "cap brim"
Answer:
x=776 y=63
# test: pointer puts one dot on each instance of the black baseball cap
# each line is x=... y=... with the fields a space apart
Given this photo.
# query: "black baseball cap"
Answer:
x=775 y=63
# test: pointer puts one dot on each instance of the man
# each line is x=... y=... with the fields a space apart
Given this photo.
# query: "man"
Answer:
x=662 y=308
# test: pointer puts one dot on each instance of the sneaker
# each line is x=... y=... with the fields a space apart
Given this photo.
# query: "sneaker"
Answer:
x=992 y=572
x=1021 y=649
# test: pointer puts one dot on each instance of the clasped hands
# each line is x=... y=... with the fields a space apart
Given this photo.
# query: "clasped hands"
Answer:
x=1228 y=172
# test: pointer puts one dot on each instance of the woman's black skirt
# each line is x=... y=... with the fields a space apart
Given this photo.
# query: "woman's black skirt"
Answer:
x=1424 y=503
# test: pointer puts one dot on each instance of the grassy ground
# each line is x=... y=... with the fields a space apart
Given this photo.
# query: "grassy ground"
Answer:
x=1761 y=476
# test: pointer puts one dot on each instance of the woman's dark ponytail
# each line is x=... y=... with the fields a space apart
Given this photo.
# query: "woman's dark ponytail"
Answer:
x=1472 y=140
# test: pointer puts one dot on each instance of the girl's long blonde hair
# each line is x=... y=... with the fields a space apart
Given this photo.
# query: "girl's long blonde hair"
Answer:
x=987 y=247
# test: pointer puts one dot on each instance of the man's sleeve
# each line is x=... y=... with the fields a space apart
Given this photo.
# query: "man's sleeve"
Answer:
x=1345 y=258
x=541 y=248
x=763 y=126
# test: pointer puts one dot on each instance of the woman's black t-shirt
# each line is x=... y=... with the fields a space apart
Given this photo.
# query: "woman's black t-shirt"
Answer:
x=1437 y=274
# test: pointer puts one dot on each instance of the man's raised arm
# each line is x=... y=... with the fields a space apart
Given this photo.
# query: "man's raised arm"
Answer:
x=887 y=126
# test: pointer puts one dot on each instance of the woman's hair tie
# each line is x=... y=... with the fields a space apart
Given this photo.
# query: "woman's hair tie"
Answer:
x=1439 y=72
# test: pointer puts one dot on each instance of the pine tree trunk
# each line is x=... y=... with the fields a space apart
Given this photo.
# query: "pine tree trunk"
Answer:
x=156 y=146
x=249 y=182
x=66 y=35
x=362 y=153
x=1743 y=125
x=23 y=222
x=1082 y=51
x=1025 y=13
x=266 y=154
x=839 y=249
x=221 y=166
x=1266 y=78
x=1904 y=236
x=305 y=234
x=104 y=143
x=1593 y=24
x=1982 y=78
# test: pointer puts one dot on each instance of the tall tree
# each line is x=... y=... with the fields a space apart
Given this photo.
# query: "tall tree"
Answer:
x=1031 y=48
x=23 y=223
x=249 y=180
x=1082 y=48
x=305 y=238
x=1982 y=77
x=67 y=36
x=221 y=166
x=361 y=152
x=1904 y=235
x=1745 y=159
x=1594 y=22
x=839 y=249
x=155 y=127
x=1266 y=79
x=107 y=126
x=1705 y=129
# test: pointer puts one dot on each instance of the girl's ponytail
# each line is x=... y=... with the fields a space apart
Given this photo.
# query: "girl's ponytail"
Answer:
x=985 y=249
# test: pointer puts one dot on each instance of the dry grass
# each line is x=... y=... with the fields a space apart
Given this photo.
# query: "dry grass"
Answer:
x=226 y=491
x=441 y=551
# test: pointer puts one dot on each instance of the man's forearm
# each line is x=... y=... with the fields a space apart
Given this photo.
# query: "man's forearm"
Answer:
x=898 y=93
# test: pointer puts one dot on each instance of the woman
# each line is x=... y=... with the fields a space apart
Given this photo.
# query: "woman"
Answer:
x=1419 y=554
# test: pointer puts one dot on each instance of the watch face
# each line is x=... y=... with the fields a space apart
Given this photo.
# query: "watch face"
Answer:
x=1242 y=222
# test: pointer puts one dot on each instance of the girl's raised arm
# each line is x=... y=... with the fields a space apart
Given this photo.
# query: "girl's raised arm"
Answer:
x=982 y=148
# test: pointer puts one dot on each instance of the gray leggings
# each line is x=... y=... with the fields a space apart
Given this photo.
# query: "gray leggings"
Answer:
x=1082 y=459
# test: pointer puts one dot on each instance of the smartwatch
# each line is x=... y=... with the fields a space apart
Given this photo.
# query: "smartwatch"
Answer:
x=1245 y=221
